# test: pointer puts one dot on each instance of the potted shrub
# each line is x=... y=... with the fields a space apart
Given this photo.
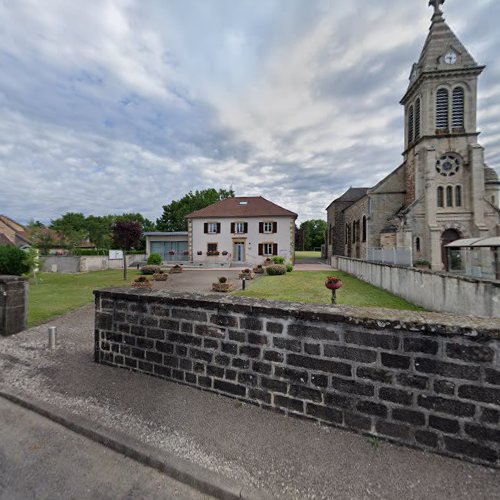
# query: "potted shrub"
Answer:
x=259 y=269
x=224 y=252
x=268 y=262
x=150 y=269
x=247 y=274
x=222 y=285
x=142 y=282
x=160 y=276
x=176 y=269
x=333 y=283
x=171 y=252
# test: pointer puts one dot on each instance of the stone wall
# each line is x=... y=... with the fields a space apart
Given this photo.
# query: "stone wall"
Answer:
x=87 y=263
x=13 y=304
x=431 y=290
x=421 y=379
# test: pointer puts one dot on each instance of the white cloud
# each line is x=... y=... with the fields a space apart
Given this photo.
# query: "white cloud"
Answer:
x=118 y=105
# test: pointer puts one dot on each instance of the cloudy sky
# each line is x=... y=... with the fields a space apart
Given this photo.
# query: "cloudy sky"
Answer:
x=109 y=106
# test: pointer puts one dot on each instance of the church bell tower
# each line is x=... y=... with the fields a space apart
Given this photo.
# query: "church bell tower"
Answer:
x=444 y=164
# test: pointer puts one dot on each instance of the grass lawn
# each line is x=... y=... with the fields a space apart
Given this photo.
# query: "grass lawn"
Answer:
x=307 y=255
x=309 y=286
x=55 y=294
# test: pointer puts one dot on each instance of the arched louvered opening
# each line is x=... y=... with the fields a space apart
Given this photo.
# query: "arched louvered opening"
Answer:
x=458 y=196
x=442 y=103
x=411 y=118
x=440 y=197
x=449 y=196
x=458 y=106
x=417 y=119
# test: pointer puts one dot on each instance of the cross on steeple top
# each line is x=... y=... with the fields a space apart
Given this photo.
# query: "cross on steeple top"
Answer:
x=437 y=6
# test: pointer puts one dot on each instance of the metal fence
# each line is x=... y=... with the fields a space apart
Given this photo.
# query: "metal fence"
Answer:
x=394 y=256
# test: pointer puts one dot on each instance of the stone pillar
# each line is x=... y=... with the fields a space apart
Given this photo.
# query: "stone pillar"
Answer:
x=13 y=304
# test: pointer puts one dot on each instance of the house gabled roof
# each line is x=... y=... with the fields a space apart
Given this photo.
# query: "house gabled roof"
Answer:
x=251 y=206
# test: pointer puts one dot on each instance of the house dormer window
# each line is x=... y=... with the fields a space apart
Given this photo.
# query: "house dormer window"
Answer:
x=442 y=104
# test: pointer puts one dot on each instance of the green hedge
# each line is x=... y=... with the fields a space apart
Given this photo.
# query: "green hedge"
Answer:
x=13 y=261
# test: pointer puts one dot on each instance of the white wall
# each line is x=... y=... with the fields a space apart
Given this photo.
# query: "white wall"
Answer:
x=252 y=239
x=433 y=291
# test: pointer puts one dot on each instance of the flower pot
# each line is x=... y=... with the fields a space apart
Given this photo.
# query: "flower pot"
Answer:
x=333 y=285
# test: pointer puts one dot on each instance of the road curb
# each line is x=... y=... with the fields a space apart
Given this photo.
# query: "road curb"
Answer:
x=203 y=480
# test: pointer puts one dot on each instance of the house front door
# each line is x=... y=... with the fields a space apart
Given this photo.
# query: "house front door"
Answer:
x=239 y=251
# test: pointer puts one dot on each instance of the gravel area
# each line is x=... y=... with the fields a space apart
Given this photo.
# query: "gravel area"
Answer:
x=287 y=457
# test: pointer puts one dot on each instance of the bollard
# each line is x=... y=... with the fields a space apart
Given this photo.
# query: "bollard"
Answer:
x=52 y=337
x=243 y=283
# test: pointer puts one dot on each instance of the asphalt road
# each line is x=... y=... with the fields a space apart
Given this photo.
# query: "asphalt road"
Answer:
x=43 y=460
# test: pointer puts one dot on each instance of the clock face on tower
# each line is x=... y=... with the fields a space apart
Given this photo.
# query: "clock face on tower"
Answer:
x=450 y=57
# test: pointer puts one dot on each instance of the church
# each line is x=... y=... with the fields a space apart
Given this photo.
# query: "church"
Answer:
x=443 y=190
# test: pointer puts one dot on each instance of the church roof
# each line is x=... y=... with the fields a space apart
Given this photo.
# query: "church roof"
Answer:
x=352 y=195
x=442 y=41
x=490 y=175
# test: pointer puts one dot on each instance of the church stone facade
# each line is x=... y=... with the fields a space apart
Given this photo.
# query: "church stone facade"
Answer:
x=443 y=190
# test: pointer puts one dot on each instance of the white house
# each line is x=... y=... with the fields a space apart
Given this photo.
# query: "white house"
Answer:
x=242 y=230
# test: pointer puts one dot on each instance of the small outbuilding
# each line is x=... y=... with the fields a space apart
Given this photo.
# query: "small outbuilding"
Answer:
x=475 y=257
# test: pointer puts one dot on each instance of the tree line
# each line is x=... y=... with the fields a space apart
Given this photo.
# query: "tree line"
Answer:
x=73 y=229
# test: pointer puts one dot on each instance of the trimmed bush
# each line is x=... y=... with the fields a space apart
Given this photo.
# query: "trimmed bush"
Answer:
x=155 y=259
x=276 y=270
x=277 y=259
x=289 y=268
x=150 y=269
x=13 y=261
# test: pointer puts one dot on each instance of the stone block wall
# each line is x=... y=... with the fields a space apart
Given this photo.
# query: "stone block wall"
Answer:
x=13 y=304
x=422 y=379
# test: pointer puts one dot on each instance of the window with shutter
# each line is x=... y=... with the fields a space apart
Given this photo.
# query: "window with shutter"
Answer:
x=275 y=249
x=275 y=227
x=261 y=227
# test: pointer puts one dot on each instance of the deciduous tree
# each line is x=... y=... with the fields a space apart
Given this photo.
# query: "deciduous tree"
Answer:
x=173 y=217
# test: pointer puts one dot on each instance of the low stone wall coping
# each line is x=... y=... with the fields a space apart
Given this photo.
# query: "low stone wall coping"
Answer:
x=378 y=318
x=4 y=278
x=468 y=279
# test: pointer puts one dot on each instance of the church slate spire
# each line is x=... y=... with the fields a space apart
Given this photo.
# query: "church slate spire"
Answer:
x=442 y=43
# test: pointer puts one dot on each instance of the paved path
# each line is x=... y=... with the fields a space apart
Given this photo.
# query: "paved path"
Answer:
x=287 y=457
x=41 y=459
x=312 y=264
